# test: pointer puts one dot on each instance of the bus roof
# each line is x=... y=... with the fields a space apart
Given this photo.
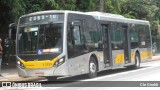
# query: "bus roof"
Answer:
x=97 y=15
x=43 y=12
x=116 y=18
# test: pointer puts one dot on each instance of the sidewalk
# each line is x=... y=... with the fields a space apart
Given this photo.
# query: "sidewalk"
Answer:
x=156 y=57
x=9 y=73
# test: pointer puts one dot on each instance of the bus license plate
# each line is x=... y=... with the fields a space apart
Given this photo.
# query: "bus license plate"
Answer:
x=39 y=73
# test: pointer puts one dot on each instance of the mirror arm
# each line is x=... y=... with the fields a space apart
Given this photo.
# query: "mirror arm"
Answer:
x=12 y=26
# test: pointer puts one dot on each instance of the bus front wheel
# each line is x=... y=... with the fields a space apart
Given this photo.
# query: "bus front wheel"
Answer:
x=92 y=68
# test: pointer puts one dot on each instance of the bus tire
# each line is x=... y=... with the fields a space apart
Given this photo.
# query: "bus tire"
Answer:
x=93 y=68
x=137 y=62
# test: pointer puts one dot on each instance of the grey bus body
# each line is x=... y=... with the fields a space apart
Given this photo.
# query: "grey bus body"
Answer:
x=113 y=41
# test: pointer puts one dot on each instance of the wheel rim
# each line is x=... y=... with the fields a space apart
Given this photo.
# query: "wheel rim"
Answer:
x=92 y=67
x=137 y=61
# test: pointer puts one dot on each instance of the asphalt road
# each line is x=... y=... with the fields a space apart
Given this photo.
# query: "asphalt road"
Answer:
x=149 y=71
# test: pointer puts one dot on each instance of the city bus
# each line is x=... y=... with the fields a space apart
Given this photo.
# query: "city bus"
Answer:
x=62 y=43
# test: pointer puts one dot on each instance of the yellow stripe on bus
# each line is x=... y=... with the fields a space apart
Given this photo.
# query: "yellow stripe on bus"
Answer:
x=145 y=55
x=119 y=59
x=39 y=64
x=132 y=56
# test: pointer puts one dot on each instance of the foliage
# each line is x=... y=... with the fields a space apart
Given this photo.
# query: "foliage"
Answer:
x=10 y=11
x=149 y=10
x=86 y=5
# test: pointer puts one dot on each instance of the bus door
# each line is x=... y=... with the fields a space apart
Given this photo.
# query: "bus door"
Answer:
x=107 y=52
x=75 y=47
x=126 y=45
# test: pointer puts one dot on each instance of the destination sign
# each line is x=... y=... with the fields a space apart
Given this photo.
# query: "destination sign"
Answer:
x=42 y=18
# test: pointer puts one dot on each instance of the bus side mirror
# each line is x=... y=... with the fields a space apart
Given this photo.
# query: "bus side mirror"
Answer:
x=99 y=46
x=12 y=31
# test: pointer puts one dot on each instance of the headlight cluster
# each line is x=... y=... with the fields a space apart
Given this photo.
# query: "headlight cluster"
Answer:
x=20 y=65
x=59 y=62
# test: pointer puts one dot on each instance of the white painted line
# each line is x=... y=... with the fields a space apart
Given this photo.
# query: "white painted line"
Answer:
x=113 y=75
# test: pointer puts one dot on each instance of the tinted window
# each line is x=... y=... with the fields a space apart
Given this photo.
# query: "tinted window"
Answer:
x=76 y=33
x=134 y=36
x=75 y=40
x=46 y=37
x=117 y=36
x=90 y=32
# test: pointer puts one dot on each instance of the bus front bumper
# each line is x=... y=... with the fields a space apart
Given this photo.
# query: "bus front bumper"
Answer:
x=43 y=72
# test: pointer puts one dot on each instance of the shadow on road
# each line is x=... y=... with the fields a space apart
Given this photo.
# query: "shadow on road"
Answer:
x=52 y=80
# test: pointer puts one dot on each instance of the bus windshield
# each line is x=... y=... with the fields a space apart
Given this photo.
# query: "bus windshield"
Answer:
x=40 y=39
x=41 y=34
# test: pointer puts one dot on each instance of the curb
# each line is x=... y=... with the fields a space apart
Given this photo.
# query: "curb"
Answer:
x=17 y=78
x=154 y=59
x=22 y=79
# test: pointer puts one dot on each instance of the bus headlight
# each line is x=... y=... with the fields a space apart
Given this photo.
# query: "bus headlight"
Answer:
x=20 y=65
x=59 y=62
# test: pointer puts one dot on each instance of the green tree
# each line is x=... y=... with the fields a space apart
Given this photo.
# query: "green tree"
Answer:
x=118 y=7
x=86 y=5
x=10 y=11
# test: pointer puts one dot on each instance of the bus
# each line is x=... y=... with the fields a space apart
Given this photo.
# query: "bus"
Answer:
x=62 y=43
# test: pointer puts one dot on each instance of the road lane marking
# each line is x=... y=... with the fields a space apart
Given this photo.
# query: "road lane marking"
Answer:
x=117 y=74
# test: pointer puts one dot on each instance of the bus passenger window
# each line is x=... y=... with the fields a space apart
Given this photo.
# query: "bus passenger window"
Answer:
x=117 y=37
x=143 y=39
x=134 y=36
x=142 y=36
x=76 y=32
x=74 y=41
